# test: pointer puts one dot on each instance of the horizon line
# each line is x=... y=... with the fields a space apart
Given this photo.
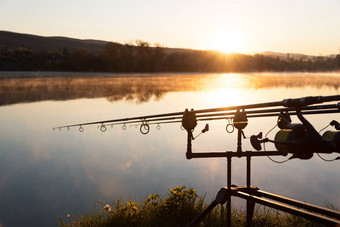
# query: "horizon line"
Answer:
x=183 y=48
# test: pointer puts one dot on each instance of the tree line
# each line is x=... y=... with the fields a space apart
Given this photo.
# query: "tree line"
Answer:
x=142 y=57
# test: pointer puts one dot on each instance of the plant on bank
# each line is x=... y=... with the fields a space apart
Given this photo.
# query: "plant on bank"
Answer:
x=179 y=208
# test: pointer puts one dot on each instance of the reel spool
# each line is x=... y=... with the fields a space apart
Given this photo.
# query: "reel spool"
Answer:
x=289 y=133
x=288 y=141
x=285 y=141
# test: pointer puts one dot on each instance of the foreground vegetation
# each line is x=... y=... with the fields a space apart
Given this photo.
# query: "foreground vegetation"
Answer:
x=179 y=208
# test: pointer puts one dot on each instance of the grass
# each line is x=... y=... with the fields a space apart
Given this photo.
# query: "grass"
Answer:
x=179 y=208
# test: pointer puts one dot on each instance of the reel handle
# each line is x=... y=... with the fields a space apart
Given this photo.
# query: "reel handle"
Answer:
x=256 y=141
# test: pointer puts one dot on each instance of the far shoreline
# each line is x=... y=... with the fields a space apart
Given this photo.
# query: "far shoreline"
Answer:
x=56 y=74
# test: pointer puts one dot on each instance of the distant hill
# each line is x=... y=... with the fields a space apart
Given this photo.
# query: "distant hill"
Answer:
x=294 y=56
x=34 y=42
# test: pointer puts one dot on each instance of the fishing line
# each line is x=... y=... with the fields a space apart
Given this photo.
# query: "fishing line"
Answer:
x=324 y=128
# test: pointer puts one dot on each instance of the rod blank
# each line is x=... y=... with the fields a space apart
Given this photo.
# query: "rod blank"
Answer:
x=252 y=110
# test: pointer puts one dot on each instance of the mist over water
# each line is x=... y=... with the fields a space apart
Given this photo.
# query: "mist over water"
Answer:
x=46 y=174
x=31 y=87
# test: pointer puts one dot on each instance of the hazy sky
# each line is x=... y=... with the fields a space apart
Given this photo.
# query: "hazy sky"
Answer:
x=246 y=26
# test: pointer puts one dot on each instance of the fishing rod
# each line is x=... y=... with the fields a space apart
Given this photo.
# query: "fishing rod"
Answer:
x=289 y=140
x=288 y=103
x=206 y=117
x=229 y=115
x=144 y=129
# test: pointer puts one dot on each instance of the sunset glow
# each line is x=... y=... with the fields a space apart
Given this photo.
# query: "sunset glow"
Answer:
x=227 y=41
x=229 y=26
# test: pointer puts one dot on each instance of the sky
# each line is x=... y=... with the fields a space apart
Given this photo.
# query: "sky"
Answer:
x=245 y=26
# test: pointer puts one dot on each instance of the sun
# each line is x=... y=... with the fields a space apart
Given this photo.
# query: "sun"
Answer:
x=227 y=41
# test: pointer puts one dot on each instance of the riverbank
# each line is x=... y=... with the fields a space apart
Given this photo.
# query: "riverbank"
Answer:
x=179 y=208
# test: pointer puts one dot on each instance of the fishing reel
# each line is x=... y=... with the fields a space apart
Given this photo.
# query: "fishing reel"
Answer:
x=300 y=139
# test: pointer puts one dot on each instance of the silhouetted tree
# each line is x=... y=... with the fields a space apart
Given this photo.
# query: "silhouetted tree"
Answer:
x=84 y=60
x=113 y=57
x=157 y=58
x=337 y=62
x=143 y=56
x=129 y=52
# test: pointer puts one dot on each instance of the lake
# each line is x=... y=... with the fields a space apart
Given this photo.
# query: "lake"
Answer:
x=46 y=174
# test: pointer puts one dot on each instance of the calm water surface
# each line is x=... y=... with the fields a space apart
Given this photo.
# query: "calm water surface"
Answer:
x=46 y=174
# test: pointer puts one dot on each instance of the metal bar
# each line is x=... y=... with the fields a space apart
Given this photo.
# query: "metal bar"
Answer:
x=306 y=206
x=235 y=154
x=248 y=170
x=250 y=203
x=250 y=212
x=239 y=140
x=189 y=146
x=228 y=206
x=288 y=209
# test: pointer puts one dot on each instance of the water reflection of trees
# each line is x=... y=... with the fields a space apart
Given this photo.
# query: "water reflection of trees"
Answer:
x=141 y=88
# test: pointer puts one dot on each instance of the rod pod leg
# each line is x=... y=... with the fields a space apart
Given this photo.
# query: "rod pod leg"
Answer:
x=221 y=198
x=189 y=145
x=239 y=140
x=250 y=203
x=250 y=211
x=228 y=206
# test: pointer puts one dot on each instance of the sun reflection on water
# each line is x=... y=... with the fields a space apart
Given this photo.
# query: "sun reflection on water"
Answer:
x=225 y=97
